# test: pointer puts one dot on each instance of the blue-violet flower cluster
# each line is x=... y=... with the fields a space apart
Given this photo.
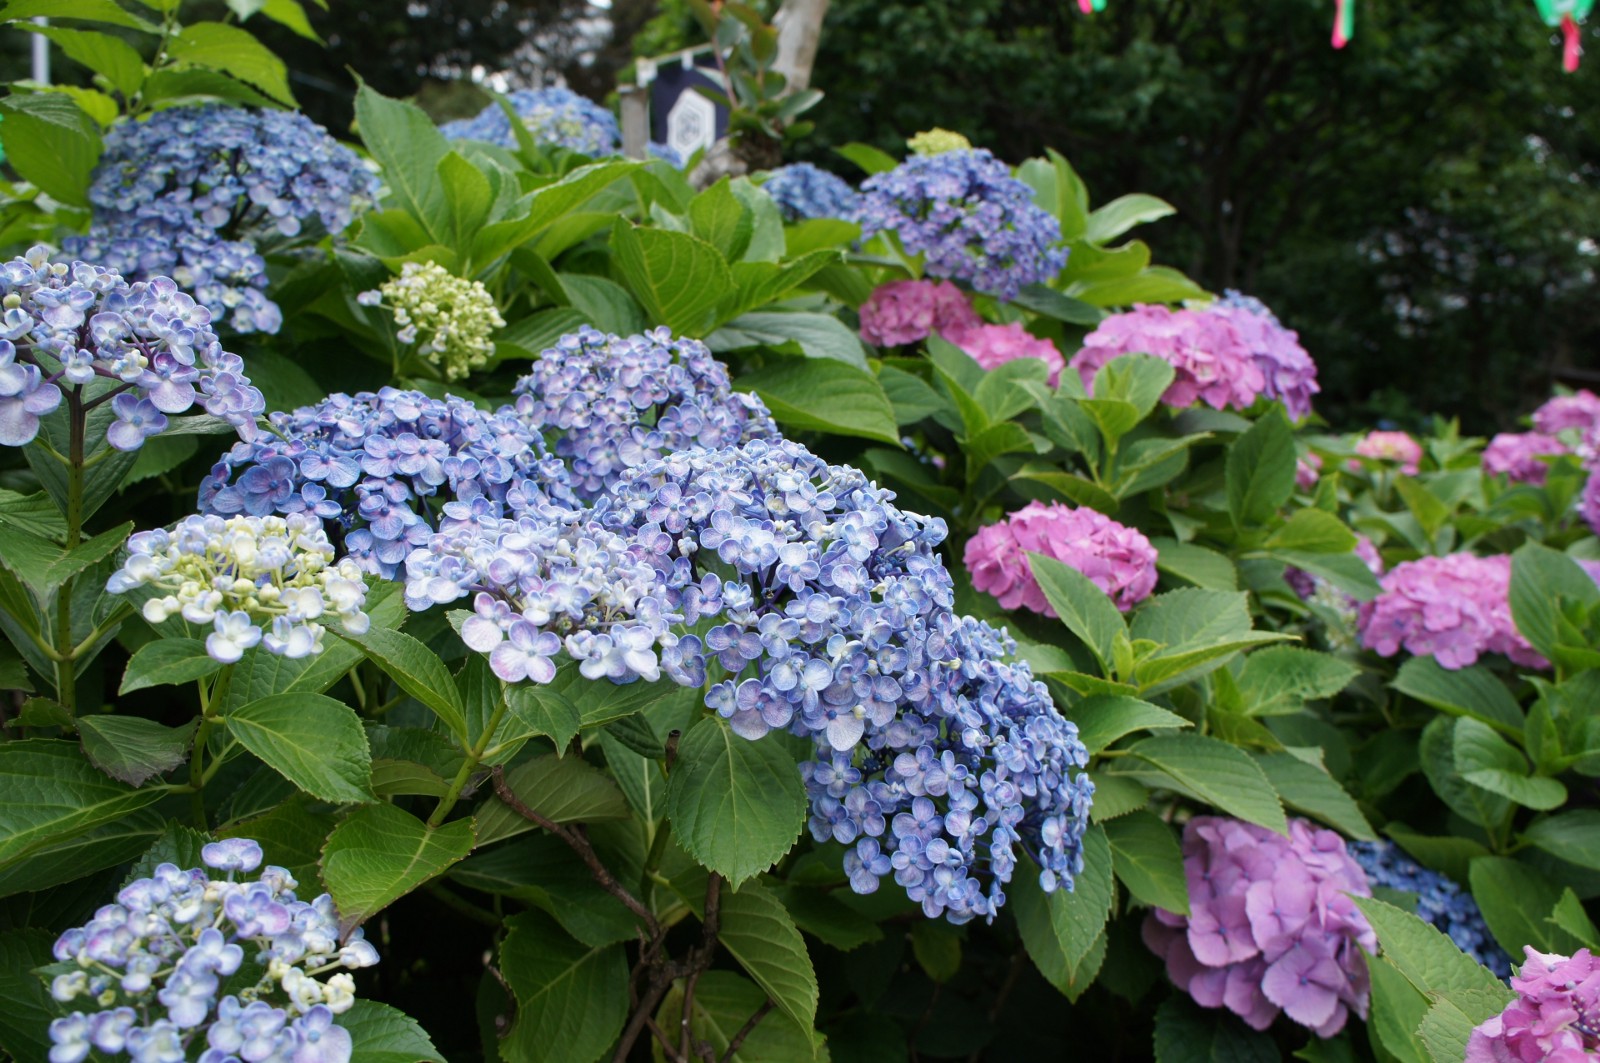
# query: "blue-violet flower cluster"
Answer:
x=380 y=466
x=1440 y=901
x=802 y=191
x=969 y=219
x=167 y=965
x=67 y=326
x=554 y=117
x=614 y=403
x=270 y=581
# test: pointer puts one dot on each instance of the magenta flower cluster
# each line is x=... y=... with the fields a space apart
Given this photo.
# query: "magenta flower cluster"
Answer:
x=1271 y=926
x=1212 y=361
x=1518 y=456
x=1555 y=1018
x=1291 y=375
x=1117 y=559
x=1453 y=608
x=1580 y=410
x=903 y=312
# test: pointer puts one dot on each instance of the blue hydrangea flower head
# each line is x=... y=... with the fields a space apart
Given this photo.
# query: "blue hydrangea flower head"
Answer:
x=147 y=347
x=380 y=468
x=555 y=117
x=802 y=191
x=969 y=219
x=1440 y=901
x=154 y=965
x=613 y=402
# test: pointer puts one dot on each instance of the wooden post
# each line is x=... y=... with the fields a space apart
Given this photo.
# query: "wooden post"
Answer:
x=635 y=121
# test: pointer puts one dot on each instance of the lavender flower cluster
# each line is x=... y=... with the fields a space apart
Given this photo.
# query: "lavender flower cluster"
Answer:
x=969 y=219
x=615 y=403
x=1453 y=608
x=190 y=191
x=69 y=325
x=821 y=609
x=271 y=581
x=1210 y=359
x=381 y=467
x=802 y=192
x=555 y=117
x=1289 y=373
x=1271 y=927
x=1440 y=901
x=1555 y=1018
x=156 y=964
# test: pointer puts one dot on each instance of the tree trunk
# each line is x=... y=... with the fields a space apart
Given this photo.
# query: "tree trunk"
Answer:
x=799 y=25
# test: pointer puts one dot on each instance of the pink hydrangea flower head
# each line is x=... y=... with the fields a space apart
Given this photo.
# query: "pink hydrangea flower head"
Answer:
x=1453 y=608
x=1117 y=559
x=1271 y=927
x=992 y=345
x=1580 y=411
x=1305 y=584
x=1589 y=501
x=1555 y=1018
x=1291 y=375
x=1307 y=470
x=1515 y=455
x=910 y=311
x=1391 y=446
x=1212 y=360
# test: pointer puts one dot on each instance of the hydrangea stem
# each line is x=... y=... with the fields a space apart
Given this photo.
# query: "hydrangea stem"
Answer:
x=66 y=652
x=210 y=705
x=470 y=765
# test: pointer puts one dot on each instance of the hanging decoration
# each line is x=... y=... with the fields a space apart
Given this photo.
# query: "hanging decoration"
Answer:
x=1089 y=7
x=1344 y=22
x=1566 y=14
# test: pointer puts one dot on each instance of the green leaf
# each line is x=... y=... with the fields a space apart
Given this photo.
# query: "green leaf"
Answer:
x=1149 y=861
x=1449 y=1023
x=758 y=931
x=315 y=742
x=1051 y=303
x=823 y=395
x=1347 y=572
x=1571 y=836
x=1139 y=380
x=34 y=514
x=723 y=1003
x=1260 y=471
x=1309 y=789
x=131 y=749
x=1280 y=679
x=937 y=948
x=869 y=158
x=822 y=915
x=562 y=789
x=1541 y=578
x=544 y=710
x=1084 y=608
x=571 y=998
x=77 y=855
x=380 y=853
x=107 y=11
x=810 y=334
x=1429 y=960
x=1104 y=718
x=25 y=1020
x=736 y=806
x=382 y=1034
x=171 y=86
x=415 y=669
x=1569 y=916
x=291 y=835
x=717 y=217
x=1436 y=752
x=542 y=870
x=1313 y=531
x=52 y=143
x=168 y=662
x=468 y=196
x=1516 y=902
x=679 y=279
x=1397 y=1011
x=102 y=53
x=1196 y=565
x=235 y=52
x=53 y=792
x=1486 y=760
x=1186 y=1033
x=1215 y=772
x=409 y=147
x=1064 y=930
x=1116 y=795
x=604 y=303
x=1124 y=213
x=1473 y=692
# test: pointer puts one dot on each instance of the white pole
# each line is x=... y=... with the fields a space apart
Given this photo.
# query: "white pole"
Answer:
x=41 y=53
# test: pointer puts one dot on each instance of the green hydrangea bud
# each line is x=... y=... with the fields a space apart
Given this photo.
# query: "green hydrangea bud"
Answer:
x=937 y=141
x=449 y=319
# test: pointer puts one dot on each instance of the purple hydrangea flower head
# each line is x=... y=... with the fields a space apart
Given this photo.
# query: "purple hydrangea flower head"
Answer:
x=1452 y=608
x=554 y=117
x=1117 y=559
x=178 y=939
x=1212 y=361
x=994 y=345
x=147 y=348
x=1290 y=374
x=268 y=581
x=1517 y=456
x=614 y=403
x=380 y=467
x=239 y=173
x=969 y=219
x=802 y=191
x=910 y=311
x=1439 y=900
x=1271 y=927
x=1580 y=410
x=1554 y=1019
